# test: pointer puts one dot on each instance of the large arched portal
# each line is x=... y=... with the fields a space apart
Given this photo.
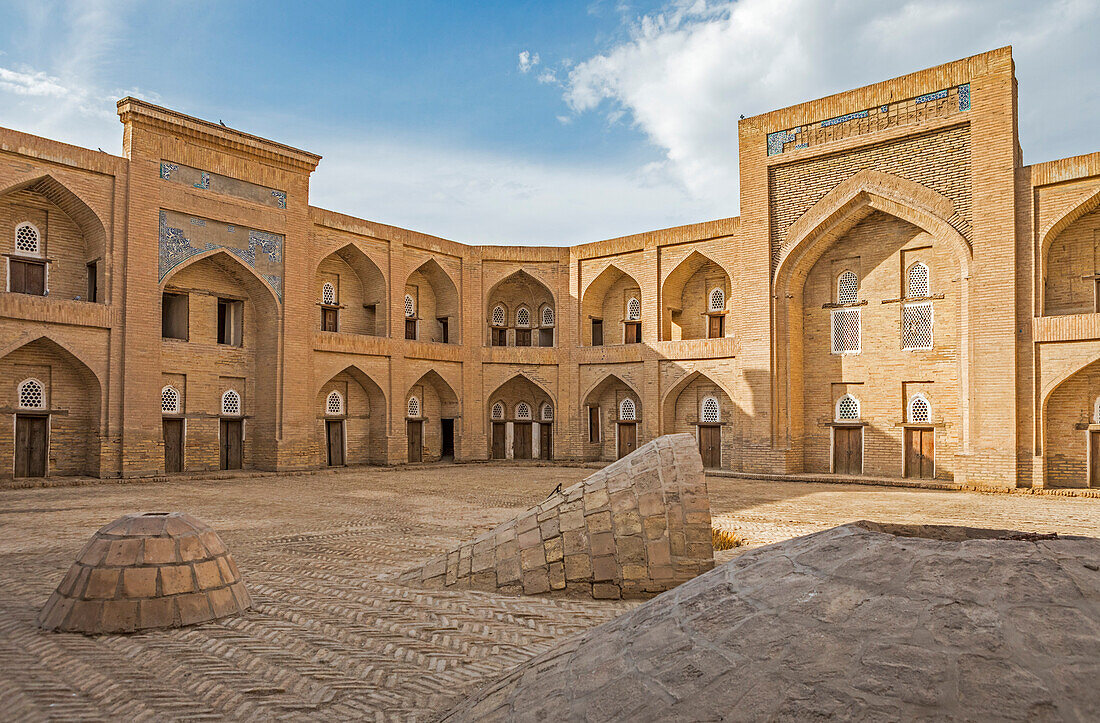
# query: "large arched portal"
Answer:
x=1071 y=430
x=611 y=309
x=431 y=426
x=520 y=312
x=699 y=405
x=431 y=305
x=1071 y=283
x=695 y=297
x=521 y=418
x=351 y=291
x=351 y=419
x=613 y=420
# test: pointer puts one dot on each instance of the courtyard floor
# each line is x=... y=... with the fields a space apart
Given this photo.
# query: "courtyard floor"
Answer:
x=328 y=639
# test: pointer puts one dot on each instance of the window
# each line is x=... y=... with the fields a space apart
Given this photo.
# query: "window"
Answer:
x=920 y=411
x=328 y=294
x=547 y=316
x=500 y=337
x=627 y=411
x=709 y=411
x=231 y=403
x=523 y=316
x=847 y=409
x=597 y=332
x=27 y=277
x=93 y=281
x=717 y=300
x=918 y=283
x=230 y=322
x=173 y=316
x=414 y=407
x=497 y=411
x=632 y=332
x=444 y=330
x=593 y=424
x=334 y=404
x=633 y=309
x=546 y=336
x=410 y=307
x=32 y=394
x=523 y=411
x=917 y=326
x=846 y=331
x=547 y=412
x=847 y=288
x=330 y=319
x=27 y=239
x=716 y=326
x=523 y=337
x=498 y=316
x=169 y=400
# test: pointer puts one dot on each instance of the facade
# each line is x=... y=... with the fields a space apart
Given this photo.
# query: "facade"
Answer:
x=901 y=296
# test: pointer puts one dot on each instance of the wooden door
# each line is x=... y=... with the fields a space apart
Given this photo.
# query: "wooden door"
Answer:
x=231 y=442
x=848 y=450
x=30 y=446
x=1094 y=459
x=415 y=430
x=328 y=319
x=716 y=326
x=499 y=440
x=710 y=446
x=628 y=438
x=544 y=441
x=521 y=441
x=920 y=453
x=334 y=434
x=173 y=444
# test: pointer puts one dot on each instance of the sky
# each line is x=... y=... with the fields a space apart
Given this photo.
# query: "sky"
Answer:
x=514 y=122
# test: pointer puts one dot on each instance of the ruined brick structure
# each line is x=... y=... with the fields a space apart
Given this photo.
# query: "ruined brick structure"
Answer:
x=900 y=296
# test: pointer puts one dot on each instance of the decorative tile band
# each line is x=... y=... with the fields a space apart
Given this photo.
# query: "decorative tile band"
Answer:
x=208 y=181
x=183 y=236
x=941 y=103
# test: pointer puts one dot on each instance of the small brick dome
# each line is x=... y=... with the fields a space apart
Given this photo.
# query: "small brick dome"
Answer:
x=147 y=571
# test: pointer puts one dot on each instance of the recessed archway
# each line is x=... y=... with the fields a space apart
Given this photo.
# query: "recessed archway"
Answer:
x=357 y=291
x=361 y=416
x=516 y=312
x=439 y=414
x=432 y=309
x=519 y=430
x=694 y=299
x=603 y=418
x=606 y=307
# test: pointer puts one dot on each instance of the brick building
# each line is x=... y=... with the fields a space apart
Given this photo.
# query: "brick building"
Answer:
x=901 y=296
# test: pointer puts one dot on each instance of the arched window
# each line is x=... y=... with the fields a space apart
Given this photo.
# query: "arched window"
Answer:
x=497 y=411
x=847 y=409
x=523 y=317
x=410 y=306
x=334 y=404
x=918 y=281
x=547 y=316
x=523 y=411
x=633 y=309
x=627 y=411
x=920 y=411
x=547 y=412
x=847 y=288
x=414 y=407
x=498 y=316
x=169 y=400
x=27 y=239
x=709 y=411
x=32 y=394
x=231 y=403
x=328 y=294
x=717 y=301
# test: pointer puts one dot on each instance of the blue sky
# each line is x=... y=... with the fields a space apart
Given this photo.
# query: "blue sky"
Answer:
x=523 y=122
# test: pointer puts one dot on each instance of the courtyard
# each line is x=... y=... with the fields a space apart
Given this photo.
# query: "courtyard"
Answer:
x=331 y=636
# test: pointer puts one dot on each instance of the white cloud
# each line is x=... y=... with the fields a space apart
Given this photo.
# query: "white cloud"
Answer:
x=686 y=74
x=548 y=77
x=30 y=83
x=527 y=61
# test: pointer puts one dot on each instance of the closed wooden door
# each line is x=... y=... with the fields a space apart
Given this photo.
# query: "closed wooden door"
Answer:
x=628 y=438
x=544 y=441
x=521 y=441
x=415 y=431
x=334 y=433
x=920 y=453
x=848 y=450
x=173 y=445
x=710 y=446
x=231 y=440
x=1094 y=459
x=499 y=440
x=328 y=319
x=716 y=327
x=30 y=446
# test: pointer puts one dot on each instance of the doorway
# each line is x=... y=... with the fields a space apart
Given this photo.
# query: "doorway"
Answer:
x=415 y=431
x=521 y=441
x=628 y=438
x=499 y=440
x=544 y=441
x=31 y=445
x=334 y=435
x=173 y=445
x=847 y=450
x=710 y=446
x=1094 y=458
x=447 y=438
x=920 y=453
x=232 y=438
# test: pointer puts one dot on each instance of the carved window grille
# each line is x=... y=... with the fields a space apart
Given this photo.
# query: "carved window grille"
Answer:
x=717 y=300
x=523 y=317
x=627 y=411
x=633 y=310
x=414 y=407
x=231 y=403
x=497 y=411
x=917 y=326
x=846 y=331
x=169 y=400
x=498 y=316
x=710 y=411
x=547 y=412
x=410 y=306
x=27 y=239
x=920 y=411
x=847 y=288
x=547 y=316
x=32 y=394
x=523 y=411
x=334 y=405
x=918 y=281
x=847 y=409
x=328 y=294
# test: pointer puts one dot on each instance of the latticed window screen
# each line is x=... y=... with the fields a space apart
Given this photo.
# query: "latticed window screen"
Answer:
x=547 y=413
x=169 y=401
x=547 y=316
x=26 y=238
x=523 y=317
x=627 y=409
x=847 y=288
x=918 y=281
x=498 y=316
x=710 y=411
x=633 y=310
x=917 y=326
x=414 y=407
x=847 y=409
x=846 y=330
x=410 y=306
x=497 y=412
x=920 y=411
x=231 y=403
x=328 y=294
x=717 y=300
x=523 y=410
x=32 y=395
x=335 y=403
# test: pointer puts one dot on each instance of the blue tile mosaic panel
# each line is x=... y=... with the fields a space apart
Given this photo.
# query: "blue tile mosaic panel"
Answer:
x=209 y=181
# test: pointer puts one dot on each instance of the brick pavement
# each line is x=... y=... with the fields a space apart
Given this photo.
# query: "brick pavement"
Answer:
x=328 y=638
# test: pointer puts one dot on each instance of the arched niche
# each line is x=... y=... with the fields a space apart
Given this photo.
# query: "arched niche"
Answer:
x=359 y=289
x=362 y=420
x=514 y=436
x=686 y=296
x=515 y=292
x=1069 y=262
x=600 y=411
x=604 y=305
x=683 y=411
x=436 y=306
x=438 y=402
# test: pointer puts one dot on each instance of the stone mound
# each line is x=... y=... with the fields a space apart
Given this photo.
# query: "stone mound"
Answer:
x=863 y=621
x=635 y=528
x=144 y=571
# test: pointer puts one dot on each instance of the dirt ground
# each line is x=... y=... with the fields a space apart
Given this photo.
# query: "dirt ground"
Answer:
x=328 y=639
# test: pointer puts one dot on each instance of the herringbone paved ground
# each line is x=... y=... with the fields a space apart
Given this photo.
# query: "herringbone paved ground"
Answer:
x=331 y=640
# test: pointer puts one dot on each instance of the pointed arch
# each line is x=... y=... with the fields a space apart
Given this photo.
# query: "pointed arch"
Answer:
x=1086 y=203
x=365 y=296
x=259 y=290
x=610 y=379
x=597 y=301
x=537 y=293
x=672 y=396
x=439 y=300
x=686 y=295
x=448 y=398
x=521 y=379
x=75 y=207
x=365 y=413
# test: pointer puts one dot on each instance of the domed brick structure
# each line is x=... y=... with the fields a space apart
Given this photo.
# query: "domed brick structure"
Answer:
x=147 y=571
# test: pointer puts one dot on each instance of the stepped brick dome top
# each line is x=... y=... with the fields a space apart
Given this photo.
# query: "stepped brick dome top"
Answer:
x=147 y=571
